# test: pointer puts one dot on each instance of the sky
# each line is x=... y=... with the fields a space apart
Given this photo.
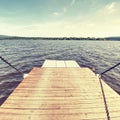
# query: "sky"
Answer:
x=60 y=18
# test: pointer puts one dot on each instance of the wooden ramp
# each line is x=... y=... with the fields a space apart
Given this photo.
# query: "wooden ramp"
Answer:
x=60 y=93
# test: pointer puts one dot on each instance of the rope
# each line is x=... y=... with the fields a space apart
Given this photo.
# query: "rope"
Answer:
x=24 y=75
x=110 y=68
x=103 y=93
x=104 y=98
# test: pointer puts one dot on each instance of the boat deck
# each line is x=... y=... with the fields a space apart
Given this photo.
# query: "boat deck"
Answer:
x=61 y=90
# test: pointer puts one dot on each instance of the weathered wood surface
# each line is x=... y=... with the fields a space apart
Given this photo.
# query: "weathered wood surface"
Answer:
x=60 y=94
x=60 y=63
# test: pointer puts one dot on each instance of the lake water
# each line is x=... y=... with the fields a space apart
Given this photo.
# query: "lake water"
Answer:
x=26 y=54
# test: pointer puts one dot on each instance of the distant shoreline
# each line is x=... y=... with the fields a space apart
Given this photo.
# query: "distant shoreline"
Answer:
x=60 y=38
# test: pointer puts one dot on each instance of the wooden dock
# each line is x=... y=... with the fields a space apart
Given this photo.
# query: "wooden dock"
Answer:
x=61 y=90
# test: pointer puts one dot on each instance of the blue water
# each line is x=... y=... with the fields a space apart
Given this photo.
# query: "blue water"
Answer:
x=26 y=54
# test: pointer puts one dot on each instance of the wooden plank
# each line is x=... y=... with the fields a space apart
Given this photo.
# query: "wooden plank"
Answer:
x=71 y=63
x=60 y=63
x=49 y=63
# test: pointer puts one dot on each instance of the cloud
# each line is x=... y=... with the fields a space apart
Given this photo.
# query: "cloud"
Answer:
x=73 y=2
x=56 y=13
x=64 y=9
x=107 y=15
x=111 y=8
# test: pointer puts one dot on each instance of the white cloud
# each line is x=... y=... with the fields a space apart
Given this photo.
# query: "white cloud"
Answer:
x=73 y=2
x=111 y=8
x=107 y=15
x=56 y=13
x=64 y=9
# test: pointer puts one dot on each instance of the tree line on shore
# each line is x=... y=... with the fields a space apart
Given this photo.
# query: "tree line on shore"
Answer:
x=56 y=38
